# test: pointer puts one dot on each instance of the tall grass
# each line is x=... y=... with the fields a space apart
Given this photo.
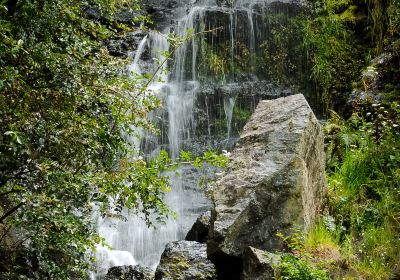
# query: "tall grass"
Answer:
x=364 y=193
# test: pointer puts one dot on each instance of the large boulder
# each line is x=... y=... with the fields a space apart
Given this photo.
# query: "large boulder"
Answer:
x=199 y=230
x=275 y=180
x=185 y=260
x=129 y=272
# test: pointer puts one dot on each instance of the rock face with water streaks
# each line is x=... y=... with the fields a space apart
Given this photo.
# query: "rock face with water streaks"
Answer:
x=185 y=260
x=275 y=181
x=126 y=44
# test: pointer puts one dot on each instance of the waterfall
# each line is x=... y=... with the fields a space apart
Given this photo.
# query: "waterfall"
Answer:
x=177 y=85
x=183 y=86
x=134 y=67
x=158 y=46
x=229 y=104
x=132 y=241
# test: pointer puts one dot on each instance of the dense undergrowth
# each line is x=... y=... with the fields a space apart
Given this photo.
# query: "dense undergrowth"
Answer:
x=322 y=52
x=364 y=191
x=358 y=235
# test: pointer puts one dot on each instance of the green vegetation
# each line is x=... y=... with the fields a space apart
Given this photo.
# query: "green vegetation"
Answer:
x=283 y=51
x=298 y=263
x=220 y=64
x=329 y=46
x=65 y=107
x=364 y=188
x=317 y=48
x=358 y=234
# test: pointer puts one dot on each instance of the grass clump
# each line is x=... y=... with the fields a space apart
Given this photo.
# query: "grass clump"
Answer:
x=364 y=189
x=297 y=262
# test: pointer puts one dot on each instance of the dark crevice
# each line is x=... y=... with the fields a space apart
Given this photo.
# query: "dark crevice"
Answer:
x=228 y=267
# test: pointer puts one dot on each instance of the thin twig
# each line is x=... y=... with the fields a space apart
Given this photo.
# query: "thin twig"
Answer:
x=6 y=231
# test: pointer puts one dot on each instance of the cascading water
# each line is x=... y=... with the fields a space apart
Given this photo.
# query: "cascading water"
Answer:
x=229 y=104
x=132 y=241
x=134 y=67
x=242 y=27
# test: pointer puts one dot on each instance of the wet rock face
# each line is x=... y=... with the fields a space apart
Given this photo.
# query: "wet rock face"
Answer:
x=214 y=104
x=163 y=12
x=199 y=231
x=275 y=181
x=185 y=260
x=129 y=272
x=126 y=16
x=127 y=44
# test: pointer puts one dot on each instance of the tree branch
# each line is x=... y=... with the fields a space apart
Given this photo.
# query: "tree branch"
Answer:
x=9 y=212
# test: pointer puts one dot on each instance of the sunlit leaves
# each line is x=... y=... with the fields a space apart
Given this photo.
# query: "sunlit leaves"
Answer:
x=208 y=157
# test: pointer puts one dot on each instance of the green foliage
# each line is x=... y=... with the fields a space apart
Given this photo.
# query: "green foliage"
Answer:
x=216 y=65
x=384 y=24
x=364 y=188
x=62 y=109
x=209 y=157
x=294 y=268
x=283 y=53
x=220 y=63
x=332 y=51
x=298 y=264
x=322 y=237
x=318 y=48
x=66 y=107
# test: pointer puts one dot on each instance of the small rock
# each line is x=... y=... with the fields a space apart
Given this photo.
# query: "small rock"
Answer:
x=258 y=264
x=122 y=46
x=129 y=272
x=199 y=231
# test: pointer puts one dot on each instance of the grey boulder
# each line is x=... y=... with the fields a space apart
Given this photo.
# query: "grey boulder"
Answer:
x=199 y=231
x=185 y=260
x=275 y=180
